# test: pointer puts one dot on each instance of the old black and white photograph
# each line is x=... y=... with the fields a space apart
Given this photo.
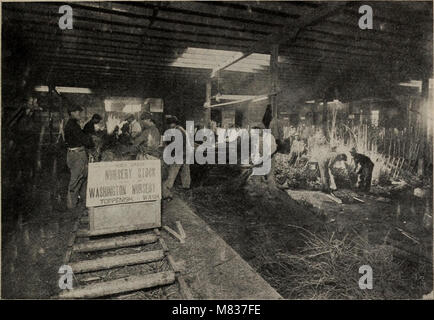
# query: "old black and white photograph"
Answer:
x=217 y=150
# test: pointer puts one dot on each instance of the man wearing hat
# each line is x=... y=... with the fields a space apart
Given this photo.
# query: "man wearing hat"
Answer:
x=135 y=128
x=76 y=141
x=363 y=167
x=149 y=139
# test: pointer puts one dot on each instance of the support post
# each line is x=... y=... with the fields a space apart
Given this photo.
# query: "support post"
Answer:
x=50 y=111
x=425 y=87
x=207 y=112
x=274 y=70
x=324 y=118
x=426 y=107
x=423 y=109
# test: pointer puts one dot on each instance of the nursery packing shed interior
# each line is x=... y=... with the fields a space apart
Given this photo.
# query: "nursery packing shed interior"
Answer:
x=343 y=77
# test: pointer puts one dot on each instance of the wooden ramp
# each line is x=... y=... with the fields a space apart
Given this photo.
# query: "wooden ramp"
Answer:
x=107 y=253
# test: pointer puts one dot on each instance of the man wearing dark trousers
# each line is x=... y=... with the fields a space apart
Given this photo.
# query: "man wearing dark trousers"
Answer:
x=363 y=167
x=77 y=141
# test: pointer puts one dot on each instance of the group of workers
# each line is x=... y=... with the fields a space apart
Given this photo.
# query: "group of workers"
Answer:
x=326 y=157
x=142 y=136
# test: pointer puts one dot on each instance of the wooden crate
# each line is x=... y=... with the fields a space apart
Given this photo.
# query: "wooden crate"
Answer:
x=124 y=217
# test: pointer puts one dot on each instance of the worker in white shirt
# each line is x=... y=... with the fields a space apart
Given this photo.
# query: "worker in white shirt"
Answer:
x=135 y=127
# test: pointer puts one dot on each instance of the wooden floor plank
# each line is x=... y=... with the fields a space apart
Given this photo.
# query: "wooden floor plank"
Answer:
x=117 y=242
x=116 y=261
x=128 y=284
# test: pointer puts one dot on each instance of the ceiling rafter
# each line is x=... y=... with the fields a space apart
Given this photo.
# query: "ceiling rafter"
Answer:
x=285 y=34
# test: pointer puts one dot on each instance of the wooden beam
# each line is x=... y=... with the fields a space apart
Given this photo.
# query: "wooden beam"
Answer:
x=95 y=73
x=299 y=8
x=274 y=72
x=95 y=77
x=139 y=25
x=334 y=24
x=148 y=51
x=194 y=39
x=76 y=66
x=348 y=53
x=288 y=33
x=174 y=234
x=207 y=111
x=118 y=242
x=234 y=97
x=72 y=71
x=113 y=65
x=357 y=38
x=132 y=283
x=211 y=10
x=230 y=103
x=343 y=44
x=170 y=16
x=116 y=261
x=148 y=60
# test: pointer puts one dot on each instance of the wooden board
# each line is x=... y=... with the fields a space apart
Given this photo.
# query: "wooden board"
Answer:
x=116 y=261
x=128 y=284
x=124 y=217
x=114 y=243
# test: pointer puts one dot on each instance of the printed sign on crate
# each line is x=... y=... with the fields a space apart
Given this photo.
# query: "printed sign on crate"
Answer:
x=118 y=182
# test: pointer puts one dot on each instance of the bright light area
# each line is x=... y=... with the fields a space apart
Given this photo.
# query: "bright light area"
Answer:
x=413 y=83
x=375 y=117
x=41 y=89
x=252 y=63
x=260 y=99
x=64 y=89
x=219 y=97
x=244 y=99
x=132 y=108
x=212 y=59
x=123 y=104
x=73 y=90
x=108 y=105
x=204 y=58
